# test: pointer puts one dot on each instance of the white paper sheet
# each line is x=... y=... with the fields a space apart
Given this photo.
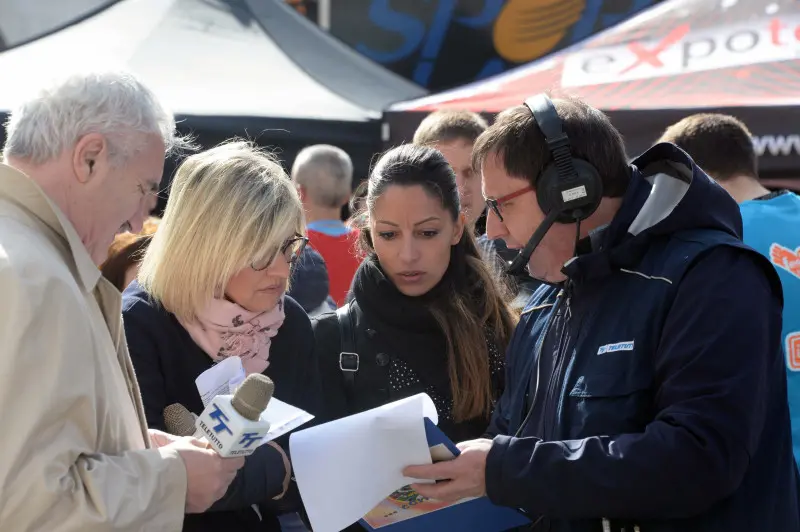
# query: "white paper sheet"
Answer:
x=223 y=379
x=346 y=467
x=283 y=418
x=220 y=379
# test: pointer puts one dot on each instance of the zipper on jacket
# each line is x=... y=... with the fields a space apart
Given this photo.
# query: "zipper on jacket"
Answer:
x=530 y=400
x=559 y=356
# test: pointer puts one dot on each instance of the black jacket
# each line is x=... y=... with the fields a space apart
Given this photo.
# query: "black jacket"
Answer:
x=401 y=352
x=167 y=362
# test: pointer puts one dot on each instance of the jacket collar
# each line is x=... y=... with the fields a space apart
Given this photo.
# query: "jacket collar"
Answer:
x=23 y=192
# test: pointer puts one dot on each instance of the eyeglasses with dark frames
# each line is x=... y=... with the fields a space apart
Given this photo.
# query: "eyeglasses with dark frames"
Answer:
x=291 y=250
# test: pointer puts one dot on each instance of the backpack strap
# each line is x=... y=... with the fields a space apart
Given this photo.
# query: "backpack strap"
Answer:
x=348 y=358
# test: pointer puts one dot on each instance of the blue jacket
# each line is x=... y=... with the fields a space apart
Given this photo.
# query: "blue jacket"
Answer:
x=661 y=394
x=772 y=227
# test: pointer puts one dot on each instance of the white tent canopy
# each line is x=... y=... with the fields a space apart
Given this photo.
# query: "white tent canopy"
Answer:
x=246 y=68
x=213 y=58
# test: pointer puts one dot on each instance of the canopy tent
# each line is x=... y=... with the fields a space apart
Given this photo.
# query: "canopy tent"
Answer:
x=675 y=59
x=253 y=68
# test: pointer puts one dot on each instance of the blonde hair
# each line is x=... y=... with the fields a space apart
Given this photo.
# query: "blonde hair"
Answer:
x=228 y=207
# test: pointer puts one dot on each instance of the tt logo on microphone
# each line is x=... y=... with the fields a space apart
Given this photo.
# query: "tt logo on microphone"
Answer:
x=249 y=438
x=218 y=416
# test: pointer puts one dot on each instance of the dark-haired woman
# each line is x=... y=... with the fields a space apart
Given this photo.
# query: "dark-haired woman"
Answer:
x=426 y=315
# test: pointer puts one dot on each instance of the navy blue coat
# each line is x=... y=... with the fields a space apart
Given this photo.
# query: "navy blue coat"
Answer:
x=167 y=362
x=661 y=396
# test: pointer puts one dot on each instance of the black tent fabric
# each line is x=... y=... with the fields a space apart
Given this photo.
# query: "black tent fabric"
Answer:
x=675 y=59
x=248 y=68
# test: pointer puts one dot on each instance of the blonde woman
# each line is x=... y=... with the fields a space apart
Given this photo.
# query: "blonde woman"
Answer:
x=211 y=285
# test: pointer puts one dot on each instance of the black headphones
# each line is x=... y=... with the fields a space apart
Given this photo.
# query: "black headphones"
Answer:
x=569 y=190
x=570 y=186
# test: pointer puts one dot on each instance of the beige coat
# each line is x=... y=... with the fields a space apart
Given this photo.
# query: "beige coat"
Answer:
x=74 y=450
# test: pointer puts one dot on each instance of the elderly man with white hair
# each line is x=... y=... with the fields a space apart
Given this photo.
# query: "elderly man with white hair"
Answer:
x=84 y=159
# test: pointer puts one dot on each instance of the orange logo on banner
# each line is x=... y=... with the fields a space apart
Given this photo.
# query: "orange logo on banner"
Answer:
x=793 y=351
x=785 y=258
x=527 y=29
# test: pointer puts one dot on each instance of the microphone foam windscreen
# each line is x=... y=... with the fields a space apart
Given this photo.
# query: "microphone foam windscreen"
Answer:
x=252 y=396
x=179 y=420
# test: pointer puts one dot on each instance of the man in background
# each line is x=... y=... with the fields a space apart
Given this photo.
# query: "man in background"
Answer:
x=83 y=161
x=453 y=132
x=323 y=175
x=723 y=147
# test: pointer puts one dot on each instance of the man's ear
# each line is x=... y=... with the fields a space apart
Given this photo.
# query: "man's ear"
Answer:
x=301 y=191
x=90 y=152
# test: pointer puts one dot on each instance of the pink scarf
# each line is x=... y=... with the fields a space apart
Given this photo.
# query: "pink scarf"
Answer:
x=226 y=329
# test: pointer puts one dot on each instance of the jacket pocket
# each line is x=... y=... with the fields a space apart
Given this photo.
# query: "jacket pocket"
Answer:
x=608 y=404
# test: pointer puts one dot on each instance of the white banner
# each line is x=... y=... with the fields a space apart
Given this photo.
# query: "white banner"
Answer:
x=683 y=50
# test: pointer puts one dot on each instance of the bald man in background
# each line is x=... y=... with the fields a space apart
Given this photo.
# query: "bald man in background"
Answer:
x=323 y=175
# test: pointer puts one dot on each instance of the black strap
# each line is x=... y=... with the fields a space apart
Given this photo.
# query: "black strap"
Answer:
x=348 y=358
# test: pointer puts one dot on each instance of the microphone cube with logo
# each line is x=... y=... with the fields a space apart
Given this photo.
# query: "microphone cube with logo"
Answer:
x=232 y=423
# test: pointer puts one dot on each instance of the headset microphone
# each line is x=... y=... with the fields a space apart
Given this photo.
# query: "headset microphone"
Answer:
x=568 y=190
x=517 y=266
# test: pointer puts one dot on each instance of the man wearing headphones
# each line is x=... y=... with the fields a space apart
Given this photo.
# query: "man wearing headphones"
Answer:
x=645 y=388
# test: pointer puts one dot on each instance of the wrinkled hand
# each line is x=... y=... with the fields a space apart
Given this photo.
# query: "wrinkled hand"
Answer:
x=287 y=466
x=161 y=439
x=464 y=476
x=207 y=474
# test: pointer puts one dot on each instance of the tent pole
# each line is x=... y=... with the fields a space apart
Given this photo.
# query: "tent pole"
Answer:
x=324 y=14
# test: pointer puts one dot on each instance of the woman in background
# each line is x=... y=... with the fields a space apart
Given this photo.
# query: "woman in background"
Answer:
x=125 y=254
x=426 y=314
x=211 y=286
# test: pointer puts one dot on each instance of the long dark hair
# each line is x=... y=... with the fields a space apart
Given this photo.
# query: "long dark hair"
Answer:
x=472 y=305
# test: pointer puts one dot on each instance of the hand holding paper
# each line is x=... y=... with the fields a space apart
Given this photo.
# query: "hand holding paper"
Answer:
x=346 y=467
x=462 y=477
x=355 y=468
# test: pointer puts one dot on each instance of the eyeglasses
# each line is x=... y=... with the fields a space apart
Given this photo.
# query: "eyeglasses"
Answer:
x=495 y=203
x=291 y=249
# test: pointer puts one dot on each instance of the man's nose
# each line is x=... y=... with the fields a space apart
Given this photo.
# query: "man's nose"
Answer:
x=148 y=204
x=137 y=223
x=494 y=227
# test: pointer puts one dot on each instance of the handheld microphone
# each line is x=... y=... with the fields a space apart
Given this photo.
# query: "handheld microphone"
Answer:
x=180 y=421
x=519 y=263
x=232 y=423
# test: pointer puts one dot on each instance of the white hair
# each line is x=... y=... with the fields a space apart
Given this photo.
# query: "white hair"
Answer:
x=114 y=104
x=326 y=172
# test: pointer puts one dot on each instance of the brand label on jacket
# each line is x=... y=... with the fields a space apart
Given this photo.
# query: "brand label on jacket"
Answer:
x=613 y=348
x=793 y=351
